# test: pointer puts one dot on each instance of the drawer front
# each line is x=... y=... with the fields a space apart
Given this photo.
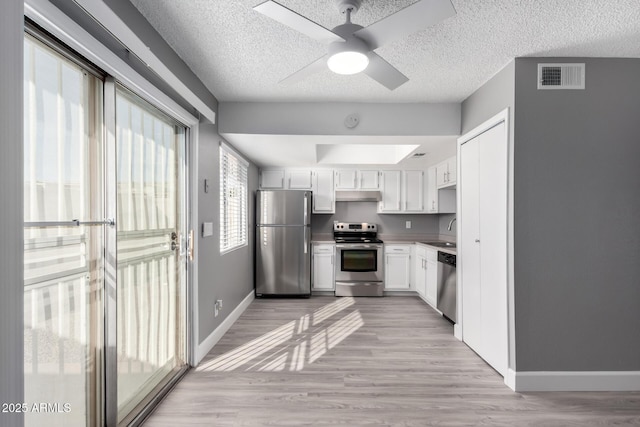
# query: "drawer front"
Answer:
x=397 y=249
x=323 y=249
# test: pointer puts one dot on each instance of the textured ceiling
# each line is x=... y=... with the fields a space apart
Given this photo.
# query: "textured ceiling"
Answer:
x=241 y=55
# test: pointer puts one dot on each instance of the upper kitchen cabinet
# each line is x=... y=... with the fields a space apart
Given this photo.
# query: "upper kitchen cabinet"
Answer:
x=438 y=200
x=446 y=173
x=402 y=192
x=272 y=179
x=346 y=179
x=391 y=189
x=324 y=200
x=368 y=180
x=290 y=179
x=352 y=179
x=413 y=194
x=300 y=179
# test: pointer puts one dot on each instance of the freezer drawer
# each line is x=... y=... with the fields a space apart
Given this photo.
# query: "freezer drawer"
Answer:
x=359 y=289
x=283 y=261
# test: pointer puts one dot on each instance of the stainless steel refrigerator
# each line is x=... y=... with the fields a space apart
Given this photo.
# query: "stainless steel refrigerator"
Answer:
x=283 y=243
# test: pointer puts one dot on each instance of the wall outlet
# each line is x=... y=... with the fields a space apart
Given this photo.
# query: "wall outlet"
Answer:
x=217 y=307
x=407 y=224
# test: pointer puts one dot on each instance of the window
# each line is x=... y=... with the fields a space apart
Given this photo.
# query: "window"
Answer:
x=233 y=200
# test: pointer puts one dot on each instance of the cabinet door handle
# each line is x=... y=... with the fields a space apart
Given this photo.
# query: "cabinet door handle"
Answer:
x=477 y=240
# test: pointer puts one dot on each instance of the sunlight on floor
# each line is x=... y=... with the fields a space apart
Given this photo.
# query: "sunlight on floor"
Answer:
x=294 y=344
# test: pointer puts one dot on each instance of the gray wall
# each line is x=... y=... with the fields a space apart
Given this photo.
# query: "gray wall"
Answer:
x=228 y=277
x=11 y=177
x=366 y=212
x=491 y=98
x=577 y=233
x=443 y=223
x=327 y=118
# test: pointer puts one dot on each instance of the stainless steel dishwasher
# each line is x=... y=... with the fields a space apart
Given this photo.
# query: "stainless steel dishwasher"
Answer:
x=447 y=285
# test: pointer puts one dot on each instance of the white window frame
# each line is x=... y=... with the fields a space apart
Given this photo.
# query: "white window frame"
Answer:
x=231 y=243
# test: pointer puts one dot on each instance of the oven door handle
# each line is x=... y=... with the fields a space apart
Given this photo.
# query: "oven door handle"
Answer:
x=358 y=246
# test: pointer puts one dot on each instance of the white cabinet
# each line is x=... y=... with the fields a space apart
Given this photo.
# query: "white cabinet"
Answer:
x=432 y=191
x=483 y=245
x=390 y=186
x=323 y=193
x=420 y=271
x=446 y=173
x=346 y=179
x=279 y=179
x=402 y=192
x=438 y=200
x=352 y=179
x=397 y=273
x=426 y=274
x=299 y=179
x=272 y=179
x=368 y=180
x=413 y=194
x=431 y=288
x=323 y=276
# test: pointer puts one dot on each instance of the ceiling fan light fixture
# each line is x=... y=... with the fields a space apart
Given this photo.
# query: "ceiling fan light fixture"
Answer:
x=348 y=57
x=348 y=62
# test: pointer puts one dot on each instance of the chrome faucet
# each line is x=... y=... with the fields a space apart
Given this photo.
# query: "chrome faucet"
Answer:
x=451 y=223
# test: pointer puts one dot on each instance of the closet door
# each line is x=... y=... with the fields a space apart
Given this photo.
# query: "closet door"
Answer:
x=492 y=179
x=482 y=262
x=469 y=259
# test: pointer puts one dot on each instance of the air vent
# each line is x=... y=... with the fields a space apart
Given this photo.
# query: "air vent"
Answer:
x=417 y=155
x=560 y=76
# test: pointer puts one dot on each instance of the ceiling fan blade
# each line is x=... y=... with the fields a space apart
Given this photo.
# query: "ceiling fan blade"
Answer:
x=296 y=21
x=409 y=20
x=316 y=66
x=384 y=73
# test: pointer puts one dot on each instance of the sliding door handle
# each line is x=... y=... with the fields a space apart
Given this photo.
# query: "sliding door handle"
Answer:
x=73 y=223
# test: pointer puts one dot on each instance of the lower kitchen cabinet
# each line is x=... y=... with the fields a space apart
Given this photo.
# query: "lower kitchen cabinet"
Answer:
x=397 y=268
x=426 y=274
x=323 y=276
x=431 y=288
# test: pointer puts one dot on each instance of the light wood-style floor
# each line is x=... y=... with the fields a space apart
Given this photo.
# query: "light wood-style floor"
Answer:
x=388 y=361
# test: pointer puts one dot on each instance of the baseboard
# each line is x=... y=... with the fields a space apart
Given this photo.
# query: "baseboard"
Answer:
x=457 y=331
x=510 y=379
x=574 y=381
x=205 y=346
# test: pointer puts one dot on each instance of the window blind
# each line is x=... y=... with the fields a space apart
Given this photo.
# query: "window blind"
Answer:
x=233 y=199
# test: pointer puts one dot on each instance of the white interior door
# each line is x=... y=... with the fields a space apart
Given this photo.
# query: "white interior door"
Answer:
x=469 y=250
x=492 y=179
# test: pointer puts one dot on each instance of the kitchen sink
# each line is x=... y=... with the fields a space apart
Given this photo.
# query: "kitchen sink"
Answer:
x=440 y=244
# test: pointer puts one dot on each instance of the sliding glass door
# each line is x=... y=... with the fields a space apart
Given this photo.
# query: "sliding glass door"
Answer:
x=151 y=249
x=105 y=298
x=63 y=268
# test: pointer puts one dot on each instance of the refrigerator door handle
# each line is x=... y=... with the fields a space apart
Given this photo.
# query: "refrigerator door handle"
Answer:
x=305 y=208
x=305 y=240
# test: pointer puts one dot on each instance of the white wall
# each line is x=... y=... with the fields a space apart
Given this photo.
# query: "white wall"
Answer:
x=11 y=177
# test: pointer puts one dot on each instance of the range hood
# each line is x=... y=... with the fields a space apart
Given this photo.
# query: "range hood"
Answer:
x=358 y=196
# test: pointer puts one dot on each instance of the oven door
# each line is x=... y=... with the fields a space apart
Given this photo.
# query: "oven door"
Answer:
x=359 y=263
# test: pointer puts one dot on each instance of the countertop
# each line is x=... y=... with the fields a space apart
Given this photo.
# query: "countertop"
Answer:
x=390 y=239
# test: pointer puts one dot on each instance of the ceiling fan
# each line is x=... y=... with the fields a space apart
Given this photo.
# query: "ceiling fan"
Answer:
x=351 y=48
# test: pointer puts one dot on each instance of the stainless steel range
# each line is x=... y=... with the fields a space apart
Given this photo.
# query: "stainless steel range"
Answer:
x=359 y=266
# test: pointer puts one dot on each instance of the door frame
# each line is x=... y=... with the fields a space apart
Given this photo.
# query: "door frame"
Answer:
x=504 y=116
